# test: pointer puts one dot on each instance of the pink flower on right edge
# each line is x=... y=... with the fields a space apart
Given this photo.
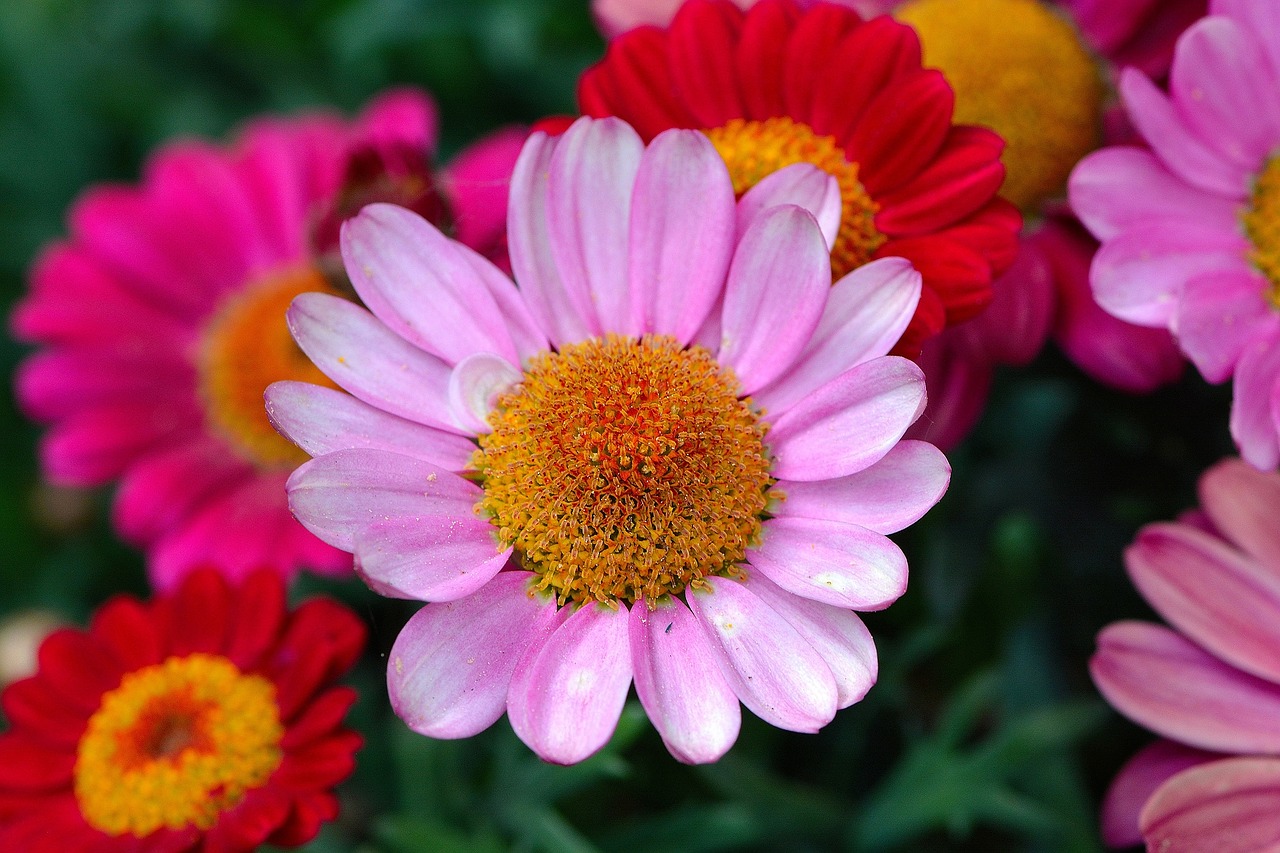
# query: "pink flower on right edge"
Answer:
x=1211 y=684
x=1190 y=229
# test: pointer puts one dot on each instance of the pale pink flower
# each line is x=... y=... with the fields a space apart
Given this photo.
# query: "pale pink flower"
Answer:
x=1210 y=684
x=161 y=321
x=585 y=476
x=1190 y=229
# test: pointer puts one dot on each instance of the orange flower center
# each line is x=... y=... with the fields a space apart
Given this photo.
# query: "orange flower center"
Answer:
x=755 y=149
x=621 y=469
x=246 y=347
x=1020 y=69
x=175 y=745
x=1262 y=226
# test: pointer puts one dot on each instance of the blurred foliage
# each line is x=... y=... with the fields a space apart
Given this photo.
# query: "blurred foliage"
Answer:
x=984 y=733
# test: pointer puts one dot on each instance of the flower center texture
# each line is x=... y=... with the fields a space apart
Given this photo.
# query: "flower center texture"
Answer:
x=246 y=347
x=1262 y=227
x=1019 y=68
x=754 y=150
x=176 y=744
x=623 y=469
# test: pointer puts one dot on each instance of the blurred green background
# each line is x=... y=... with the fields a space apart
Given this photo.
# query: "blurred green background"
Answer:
x=984 y=733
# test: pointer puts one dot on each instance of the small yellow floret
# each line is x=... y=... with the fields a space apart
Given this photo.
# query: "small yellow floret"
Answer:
x=1020 y=69
x=175 y=745
x=1262 y=226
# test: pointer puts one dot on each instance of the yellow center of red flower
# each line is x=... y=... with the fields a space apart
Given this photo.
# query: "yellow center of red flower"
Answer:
x=175 y=745
x=754 y=150
x=1020 y=69
x=621 y=469
x=246 y=347
x=1262 y=226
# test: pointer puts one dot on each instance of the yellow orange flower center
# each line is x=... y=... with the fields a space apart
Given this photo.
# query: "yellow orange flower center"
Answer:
x=246 y=347
x=1262 y=226
x=621 y=469
x=175 y=745
x=1020 y=69
x=754 y=150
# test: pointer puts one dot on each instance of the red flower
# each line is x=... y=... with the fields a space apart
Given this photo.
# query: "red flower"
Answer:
x=202 y=721
x=776 y=85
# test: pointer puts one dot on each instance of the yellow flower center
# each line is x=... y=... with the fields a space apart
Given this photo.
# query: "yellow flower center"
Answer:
x=621 y=469
x=1262 y=226
x=1020 y=69
x=754 y=150
x=176 y=744
x=246 y=347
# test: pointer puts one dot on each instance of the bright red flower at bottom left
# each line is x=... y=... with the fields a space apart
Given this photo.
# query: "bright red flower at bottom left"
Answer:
x=204 y=720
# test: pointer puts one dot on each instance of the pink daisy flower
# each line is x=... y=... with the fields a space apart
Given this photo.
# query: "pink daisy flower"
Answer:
x=670 y=457
x=1211 y=684
x=161 y=319
x=1190 y=229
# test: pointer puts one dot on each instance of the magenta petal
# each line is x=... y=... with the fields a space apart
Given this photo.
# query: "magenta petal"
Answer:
x=1171 y=686
x=567 y=694
x=475 y=385
x=450 y=668
x=866 y=313
x=1253 y=418
x=836 y=634
x=415 y=281
x=849 y=423
x=772 y=668
x=829 y=561
x=1133 y=786
x=340 y=495
x=1219 y=314
x=682 y=233
x=97 y=445
x=679 y=683
x=158 y=492
x=478 y=183
x=322 y=420
x=592 y=177
x=362 y=355
x=777 y=288
x=1223 y=600
x=1256 y=16
x=800 y=184
x=887 y=496
x=1226 y=806
x=1241 y=502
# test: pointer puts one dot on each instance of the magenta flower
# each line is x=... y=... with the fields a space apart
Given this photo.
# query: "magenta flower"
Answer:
x=670 y=457
x=1210 y=685
x=161 y=318
x=1190 y=229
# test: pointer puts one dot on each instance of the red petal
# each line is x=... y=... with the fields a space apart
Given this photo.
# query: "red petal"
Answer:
x=199 y=614
x=321 y=641
x=26 y=765
x=31 y=705
x=319 y=718
x=810 y=50
x=78 y=668
x=247 y=826
x=171 y=841
x=305 y=819
x=965 y=176
x=700 y=50
x=319 y=765
x=256 y=620
x=992 y=232
x=761 y=56
x=57 y=827
x=634 y=83
x=127 y=628
x=869 y=59
x=902 y=130
x=958 y=274
x=928 y=321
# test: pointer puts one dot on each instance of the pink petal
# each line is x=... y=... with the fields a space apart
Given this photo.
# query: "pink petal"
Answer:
x=475 y=386
x=563 y=315
x=774 y=670
x=1116 y=189
x=679 y=683
x=866 y=313
x=414 y=279
x=526 y=333
x=885 y=497
x=849 y=423
x=322 y=420
x=1139 y=275
x=1219 y=314
x=1137 y=781
x=1169 y=685
x=682 y=233
x=342 y=494
x=478 y=183
x=777 y=288
x=1176 y=145
x=592 y=177
x=1256 y=16
x=1221 y=599
x=429 y=557
x=836 y=634
x=832 y=562
x=362 y=355
x=567 y=694
x=1226 y=806
x=1241 y=502
x=800 y=184
x=450 y=668
x=1253 y=417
